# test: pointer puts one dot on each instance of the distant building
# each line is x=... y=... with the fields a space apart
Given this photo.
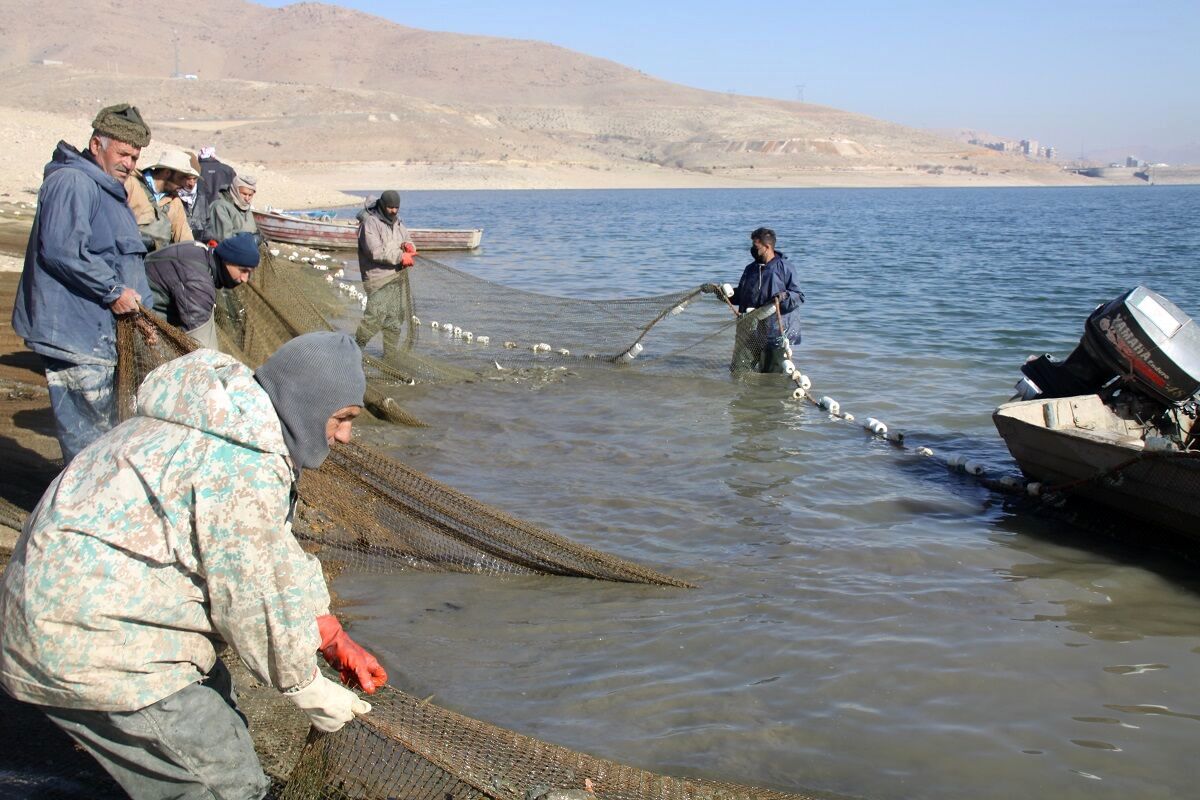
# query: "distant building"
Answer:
x=1051 y=153
x=1131 y=161
x=1029 y=147
x=1001 y=146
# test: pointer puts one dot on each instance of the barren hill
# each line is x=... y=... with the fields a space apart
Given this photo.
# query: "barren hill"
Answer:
x=318 y=83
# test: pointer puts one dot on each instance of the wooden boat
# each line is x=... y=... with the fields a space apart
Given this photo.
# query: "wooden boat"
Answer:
x=1106 y=455
x=343 y=233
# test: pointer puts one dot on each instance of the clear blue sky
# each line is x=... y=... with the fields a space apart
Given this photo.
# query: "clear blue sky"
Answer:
x=1100 y=75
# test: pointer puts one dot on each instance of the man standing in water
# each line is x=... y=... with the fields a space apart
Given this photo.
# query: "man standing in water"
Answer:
x=170 y=537
x=384 y=250
x=768 y=283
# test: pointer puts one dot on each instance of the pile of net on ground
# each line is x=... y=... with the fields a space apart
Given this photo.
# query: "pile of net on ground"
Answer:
x=366 y=511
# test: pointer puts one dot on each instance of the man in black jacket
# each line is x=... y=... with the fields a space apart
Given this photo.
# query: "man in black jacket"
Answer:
x=185 y=277
x=214 y=175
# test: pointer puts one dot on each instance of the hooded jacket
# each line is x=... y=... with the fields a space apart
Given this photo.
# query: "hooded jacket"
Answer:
x=165 y=537
x=380 y=245
x=84 y=250
x=184 y=278
x=760 y=284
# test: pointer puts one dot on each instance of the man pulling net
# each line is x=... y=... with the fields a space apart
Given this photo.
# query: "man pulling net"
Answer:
x=169 y=537
x=767 y=286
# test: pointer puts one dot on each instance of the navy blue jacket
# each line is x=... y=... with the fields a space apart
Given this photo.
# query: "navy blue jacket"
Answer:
x=184 y=278
x=760 y=283
x=84 y=249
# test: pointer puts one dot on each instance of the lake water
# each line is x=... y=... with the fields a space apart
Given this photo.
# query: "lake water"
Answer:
x=867 y=622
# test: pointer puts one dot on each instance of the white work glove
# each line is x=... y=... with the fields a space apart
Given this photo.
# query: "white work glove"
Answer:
x=327 y=705
x=727 y=289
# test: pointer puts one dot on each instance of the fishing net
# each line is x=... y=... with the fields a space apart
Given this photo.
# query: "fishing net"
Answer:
x=366 y=511
x=416 y=750
x=454 y=326
x=370 y=512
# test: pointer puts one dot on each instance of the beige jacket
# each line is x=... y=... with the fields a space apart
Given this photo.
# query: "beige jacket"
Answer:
x=380 y=247
x=161 y=224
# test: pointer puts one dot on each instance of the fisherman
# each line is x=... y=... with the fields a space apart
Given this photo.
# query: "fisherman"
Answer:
x=214 y=175
x=195 y=201
x=168 y=539
x=385 y=249
x=185 y=277
x=153 y=198
x=231 y=213
x=83 y=266
x=768 y=283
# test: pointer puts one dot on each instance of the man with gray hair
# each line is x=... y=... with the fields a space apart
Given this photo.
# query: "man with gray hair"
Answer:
x=231 y=213
x=83 y=267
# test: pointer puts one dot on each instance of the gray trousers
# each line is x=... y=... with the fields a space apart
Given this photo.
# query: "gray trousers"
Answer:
x=192 y=745
x=387 y=310
x=206 y=333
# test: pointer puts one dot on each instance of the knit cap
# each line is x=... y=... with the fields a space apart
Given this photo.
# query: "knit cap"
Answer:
x=240 y=249
x=124 y=123
x=308 y=379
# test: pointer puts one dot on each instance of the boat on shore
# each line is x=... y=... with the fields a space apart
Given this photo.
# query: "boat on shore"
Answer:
x=1115 y=423
x=342 y=234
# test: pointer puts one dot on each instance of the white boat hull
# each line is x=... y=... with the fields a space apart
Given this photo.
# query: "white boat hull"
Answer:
x=343 y=234
x=1101 y=457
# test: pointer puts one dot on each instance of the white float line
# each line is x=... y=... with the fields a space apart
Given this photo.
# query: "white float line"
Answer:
x=1008 y=484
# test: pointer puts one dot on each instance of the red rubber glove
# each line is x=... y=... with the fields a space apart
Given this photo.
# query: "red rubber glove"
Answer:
x=410 y=250
x=356 y=665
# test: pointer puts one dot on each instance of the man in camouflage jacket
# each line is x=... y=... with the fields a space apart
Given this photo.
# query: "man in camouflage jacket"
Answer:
x=169 y=537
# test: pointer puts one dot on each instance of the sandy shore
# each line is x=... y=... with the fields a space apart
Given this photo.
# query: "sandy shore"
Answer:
x=331 y=176
x=32 y=136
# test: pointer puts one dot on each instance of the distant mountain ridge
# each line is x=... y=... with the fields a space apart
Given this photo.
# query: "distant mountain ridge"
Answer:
x=314 y=82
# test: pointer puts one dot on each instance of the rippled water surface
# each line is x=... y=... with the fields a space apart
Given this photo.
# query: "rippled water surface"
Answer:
x=867 y=623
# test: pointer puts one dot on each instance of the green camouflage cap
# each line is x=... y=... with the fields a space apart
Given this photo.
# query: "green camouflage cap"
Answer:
x=124 y=123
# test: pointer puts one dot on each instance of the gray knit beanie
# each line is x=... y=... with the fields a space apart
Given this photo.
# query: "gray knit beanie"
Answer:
x=308 y=379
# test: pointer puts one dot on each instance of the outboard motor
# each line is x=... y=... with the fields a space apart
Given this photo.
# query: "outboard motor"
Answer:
x=1141 y=337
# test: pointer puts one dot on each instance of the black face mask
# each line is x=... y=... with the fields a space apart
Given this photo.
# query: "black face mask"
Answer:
x=757 y=257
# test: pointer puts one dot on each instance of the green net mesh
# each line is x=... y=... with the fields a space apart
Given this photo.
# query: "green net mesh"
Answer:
x=364 y=510
x=449 y=325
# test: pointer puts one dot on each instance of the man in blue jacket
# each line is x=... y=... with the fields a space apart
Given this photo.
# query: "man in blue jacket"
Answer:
x=767 y=280
x=83 y=267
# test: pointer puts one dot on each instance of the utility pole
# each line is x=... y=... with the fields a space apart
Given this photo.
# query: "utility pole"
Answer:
x=175 y=36
x=800 y=92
